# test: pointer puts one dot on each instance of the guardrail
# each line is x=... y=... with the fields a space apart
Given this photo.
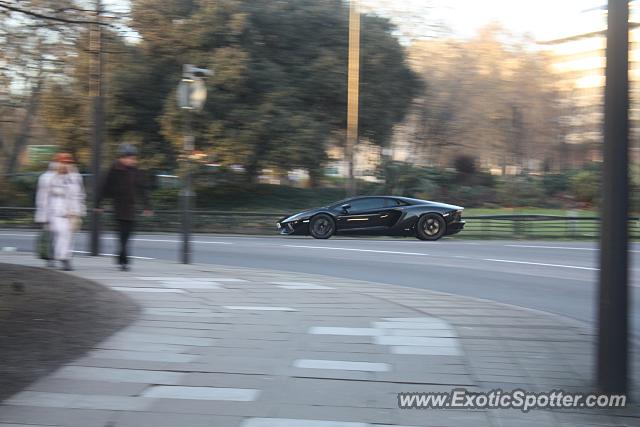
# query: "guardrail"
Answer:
x=539 y=227
x=480 y=226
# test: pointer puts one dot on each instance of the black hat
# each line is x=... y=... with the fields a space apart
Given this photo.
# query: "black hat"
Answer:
x=126 y=150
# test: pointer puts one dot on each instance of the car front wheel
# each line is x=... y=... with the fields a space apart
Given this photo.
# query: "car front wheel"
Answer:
x=322 y=226
x=430 y=227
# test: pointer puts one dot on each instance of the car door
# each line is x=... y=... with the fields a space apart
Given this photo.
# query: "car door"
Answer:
x=392 y=212
x=362 y=214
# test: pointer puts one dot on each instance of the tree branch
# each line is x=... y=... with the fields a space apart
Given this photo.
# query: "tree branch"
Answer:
x=48 y=17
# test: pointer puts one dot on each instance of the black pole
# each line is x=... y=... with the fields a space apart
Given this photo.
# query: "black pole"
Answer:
x=97 y=124
x=187 y=192
x=613 y=299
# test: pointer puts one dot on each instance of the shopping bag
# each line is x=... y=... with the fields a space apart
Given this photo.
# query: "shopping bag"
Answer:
x=44 y=245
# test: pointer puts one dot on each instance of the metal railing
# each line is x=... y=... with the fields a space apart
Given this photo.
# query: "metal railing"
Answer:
x=538 y=227
x=239 y=222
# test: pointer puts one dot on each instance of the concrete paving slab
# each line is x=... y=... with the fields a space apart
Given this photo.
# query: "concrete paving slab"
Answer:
x=151 y=290
x=155 y=419
x=28 y=425
x=164 y=339
x=78 y=401
x=114 y=344
x=258 y=308
x=416 y=341
x=119 y=375
x=301 y=286
x=144 y=356
x=289 y=422
x=427 y=351
x=202 y=393
x=342 y=365
x=328 y=330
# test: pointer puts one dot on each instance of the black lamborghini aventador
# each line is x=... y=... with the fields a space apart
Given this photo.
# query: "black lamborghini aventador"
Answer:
x=377 y=215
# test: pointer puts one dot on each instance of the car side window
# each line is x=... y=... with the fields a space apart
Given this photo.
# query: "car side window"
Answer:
x=392 y=203
x=367 y=204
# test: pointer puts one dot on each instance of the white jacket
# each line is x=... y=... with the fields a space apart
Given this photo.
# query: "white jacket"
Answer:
x=59 y=195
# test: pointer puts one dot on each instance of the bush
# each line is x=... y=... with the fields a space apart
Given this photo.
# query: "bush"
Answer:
x=402 y=179
x=584 y=186
x=19 y=191
x=165 y=199
x=465 y=164
x=520 y=191
x=555 y=183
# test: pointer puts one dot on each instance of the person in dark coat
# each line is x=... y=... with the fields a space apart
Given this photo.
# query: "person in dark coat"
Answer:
x=126 y=186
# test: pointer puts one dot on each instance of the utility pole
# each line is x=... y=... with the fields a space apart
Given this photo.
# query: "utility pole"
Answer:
x=353 y=93
x=97 y=122
x=192 y=94
x=613 y=327
x=186 y=194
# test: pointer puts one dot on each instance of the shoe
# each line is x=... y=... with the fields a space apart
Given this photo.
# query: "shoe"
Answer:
x=66 y=265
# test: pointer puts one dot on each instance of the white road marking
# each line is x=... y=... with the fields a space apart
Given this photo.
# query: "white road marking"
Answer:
x=356 y=250
x=561 y=247
x=130 y=256
x=137 y=239
x=291 y=422
x=551 y=247
x=541 y=264
x=258 y=308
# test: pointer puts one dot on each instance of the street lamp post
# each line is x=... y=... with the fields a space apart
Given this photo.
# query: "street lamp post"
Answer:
x=613 y=326
x=353 y=94
x=192 y=94
x=97 y=125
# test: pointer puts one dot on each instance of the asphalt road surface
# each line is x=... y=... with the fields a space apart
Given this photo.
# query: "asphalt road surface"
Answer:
x=558 y=277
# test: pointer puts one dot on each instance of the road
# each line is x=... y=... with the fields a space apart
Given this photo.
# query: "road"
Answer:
x=559 y=277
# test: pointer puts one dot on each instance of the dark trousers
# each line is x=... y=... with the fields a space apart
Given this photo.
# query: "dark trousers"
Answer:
x=125 y=228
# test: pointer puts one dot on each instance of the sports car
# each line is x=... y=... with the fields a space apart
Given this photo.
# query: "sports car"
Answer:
x=377 y=215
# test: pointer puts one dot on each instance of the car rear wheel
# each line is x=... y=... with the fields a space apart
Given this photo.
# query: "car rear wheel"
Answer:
x=430 y=227
x=322 y=226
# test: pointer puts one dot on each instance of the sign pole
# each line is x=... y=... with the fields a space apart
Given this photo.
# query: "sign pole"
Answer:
x=97 y=123
x=613 y=327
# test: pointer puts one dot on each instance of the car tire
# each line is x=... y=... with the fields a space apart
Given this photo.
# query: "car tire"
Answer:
x=431 y=227
x=322 y=226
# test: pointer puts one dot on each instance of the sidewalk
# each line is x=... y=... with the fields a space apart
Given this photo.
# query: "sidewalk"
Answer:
x=228 y=347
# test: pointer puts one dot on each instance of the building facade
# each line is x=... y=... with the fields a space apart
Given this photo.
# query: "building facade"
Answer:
x=578 y=58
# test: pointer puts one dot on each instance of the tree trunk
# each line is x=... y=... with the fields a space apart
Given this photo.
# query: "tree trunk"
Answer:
x=23 y=135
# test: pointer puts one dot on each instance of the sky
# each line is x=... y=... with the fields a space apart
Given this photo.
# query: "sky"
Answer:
x=544 y=19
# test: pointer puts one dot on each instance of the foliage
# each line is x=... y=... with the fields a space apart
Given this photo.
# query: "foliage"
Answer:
x=465 y=164
x=279 y=89
x=585 y=186
x=555 y=183
x=520 y=191
x=402 y=179
x=18 y=191
x=490 y=96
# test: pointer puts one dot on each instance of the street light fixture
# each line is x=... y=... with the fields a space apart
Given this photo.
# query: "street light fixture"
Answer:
x=192 y=94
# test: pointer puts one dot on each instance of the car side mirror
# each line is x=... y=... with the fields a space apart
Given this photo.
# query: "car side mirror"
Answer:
x=345 y=207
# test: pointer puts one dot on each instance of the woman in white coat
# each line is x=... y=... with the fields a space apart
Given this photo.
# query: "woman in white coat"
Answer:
x=60 y=205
